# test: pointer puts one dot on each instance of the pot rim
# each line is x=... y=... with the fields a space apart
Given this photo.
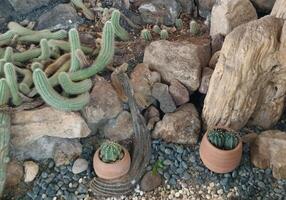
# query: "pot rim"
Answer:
x=223 y=150
x=125 y=151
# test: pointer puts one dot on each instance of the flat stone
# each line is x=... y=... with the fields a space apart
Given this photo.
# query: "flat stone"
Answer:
x=150 y=181
x=179 y=92
x=160 y=92
x=31 y=170
x=79 y=165
x=26 y=6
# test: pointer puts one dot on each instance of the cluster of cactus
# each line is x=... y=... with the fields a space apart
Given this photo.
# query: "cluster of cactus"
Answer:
x=223 y=139
x=110 y=152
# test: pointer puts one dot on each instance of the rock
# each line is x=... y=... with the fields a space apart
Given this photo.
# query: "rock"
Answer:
x=142 y=81
x=205 y=7
x=249 y=138
x=181 y=61
x=187 y=6
x=279 y=9
x=247 y=84
x=152 y=115
x=263 y=6
x=266 y=151
x=206 y=76
x=160 y=11
x=14 y=174
x=217 y=42
x=104 y=104
x=31 y=171
x=214 y=59
x=150 y=182
x=79 y=165
x=65 y=153
x=6 y=11
x=44 y=148
x=120 y=128
x=160 y=92
x=63 y=16
x=228 y=14
x=179 y=92
x=28 y=126
x=182 y=126
x=26 y=6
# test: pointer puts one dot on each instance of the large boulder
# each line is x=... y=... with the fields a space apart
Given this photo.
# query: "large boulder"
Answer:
x=228 y=14
x=178 y=60
x=279 y=9
x=28 y=126
x=26 y=6
x=264 y=6
x=266 y=152
x=248 y=83
x=182 y=126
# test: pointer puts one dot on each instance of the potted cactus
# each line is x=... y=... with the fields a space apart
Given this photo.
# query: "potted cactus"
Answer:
x=221 y=150
x=111 y=160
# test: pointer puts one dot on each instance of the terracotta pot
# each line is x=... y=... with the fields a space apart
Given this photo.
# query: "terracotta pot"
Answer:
x=217 y=160
x=111 y=170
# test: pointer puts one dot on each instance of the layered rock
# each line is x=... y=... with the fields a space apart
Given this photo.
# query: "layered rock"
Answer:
x=228 y=14
x=247 y=84
x=279 y=9
x=266 y=152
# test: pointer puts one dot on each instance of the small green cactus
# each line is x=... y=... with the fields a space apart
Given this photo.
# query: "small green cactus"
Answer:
x=159 y=164
x=164 y=34
x=156 y=29
x=179 y=24
x=5 y=92
x=45 y=51
x=118 y=29
x=110 y=152
x=194 y=28
x=87 y=12
x=75 y=44
x=146 y=35
x=8 y=57
x=223 y=139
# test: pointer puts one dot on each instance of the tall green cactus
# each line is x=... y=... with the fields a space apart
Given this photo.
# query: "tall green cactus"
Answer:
x=71 y=87
x=7 y=58
x=75 y=44
x=45 y=51
x=27 y=55
x=19 y=30
x=36 y=37
x=51 y=96
x=118 y=29
x=104 y=57
x=146 y=35
x=65 y=46
x=110 y=152
x=87 y=12
x=11 y=78
x=27 y=81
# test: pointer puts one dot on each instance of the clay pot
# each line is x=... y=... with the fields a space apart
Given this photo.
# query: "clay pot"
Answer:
x=218 y=160
x=111 y=170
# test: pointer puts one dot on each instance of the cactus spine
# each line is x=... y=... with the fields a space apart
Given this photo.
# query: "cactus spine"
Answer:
x=87 y=13
x=11 y=78
x=74 y=45
x=179 y=24
x=223 y=139
x=156 y=29
x=104 y=57
x=146 y=35
x=164 y=34
x=110 y=152
x=71 y=87
x=194 y=28
x=118 y=29
x=51 y=97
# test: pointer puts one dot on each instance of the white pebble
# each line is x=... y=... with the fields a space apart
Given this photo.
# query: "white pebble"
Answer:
x=177 y=194
x=55 y=198
x=208 y=196
x=220 y=191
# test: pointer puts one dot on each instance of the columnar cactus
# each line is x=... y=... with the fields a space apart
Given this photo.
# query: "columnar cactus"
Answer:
x=194 y=28
x=53 y=67
x=75 y=44
x=84 y=62
x=27 y=55
x=156 y=29
x=6 y=37
x=11 y=78
x=87 y=13
x=36 y=37
x=65 y=46
x=7 y=58
x=71 y=87
x=110 y=152
x=20 y=30
x=45 y=51
x=164 y=34
x=146 y=35
x=27 y=81
x=51 y=96
x=118 y=29
x=179 y=24
x=223 y=139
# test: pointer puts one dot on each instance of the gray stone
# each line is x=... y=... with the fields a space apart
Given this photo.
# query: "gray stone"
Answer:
x=160 y=11
x=150 y=181
x=62 y=16
x=80 y=165
x=160 y=92
x=205 y=7
x=264 y=6
x=187 y=6
x=26 y=6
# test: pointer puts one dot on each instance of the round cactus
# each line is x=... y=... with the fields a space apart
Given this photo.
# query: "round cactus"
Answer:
x=194 y=28
x=164 y=34
x=156 y=29
x=179 y=24
x=110 y=152
x=223 y=139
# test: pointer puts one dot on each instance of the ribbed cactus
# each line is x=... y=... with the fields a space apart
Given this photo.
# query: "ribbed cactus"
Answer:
x=156 y=29
x=45 y=51
x=5 y=92
x=36 y=37
x=179 y=24
x=51 y=96
x=19 y=30
x=6 y=37
x=118 y=29
x=164 y=34
x=87 y=13
x=75 y=44
x=194 y=28
x=223 y=139
x=104 y=57
x=84 y=62
x=71 y=87
x=65 y=46
x=110 y=152
x=27 y=81
x=146 y=35
x=7 y=58
x=27 y=55
x=36 y=65
x=11 y=78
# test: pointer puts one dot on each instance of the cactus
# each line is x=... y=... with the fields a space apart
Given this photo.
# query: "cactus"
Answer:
x=51 y=96
x=104 y=57
x=146 y=35
x=6 y=37
x=27 y=55
x=164 y=34
x=11 y=78
x=118 y=29
x=27 y=81
x=65 y=46
x=20 y=30
x=50 y=69
x=230 y=141
x=194 y=28
x=71 y=87
x=223 y=139
x=156 y=29
x=45 y=51
x=5 y=92
x=84 y=62
x=7 y=58
x=87 y=13
x=110 y=152
x=75 y=44
x=179 y=24
x=36 y=37
x=36 y=65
